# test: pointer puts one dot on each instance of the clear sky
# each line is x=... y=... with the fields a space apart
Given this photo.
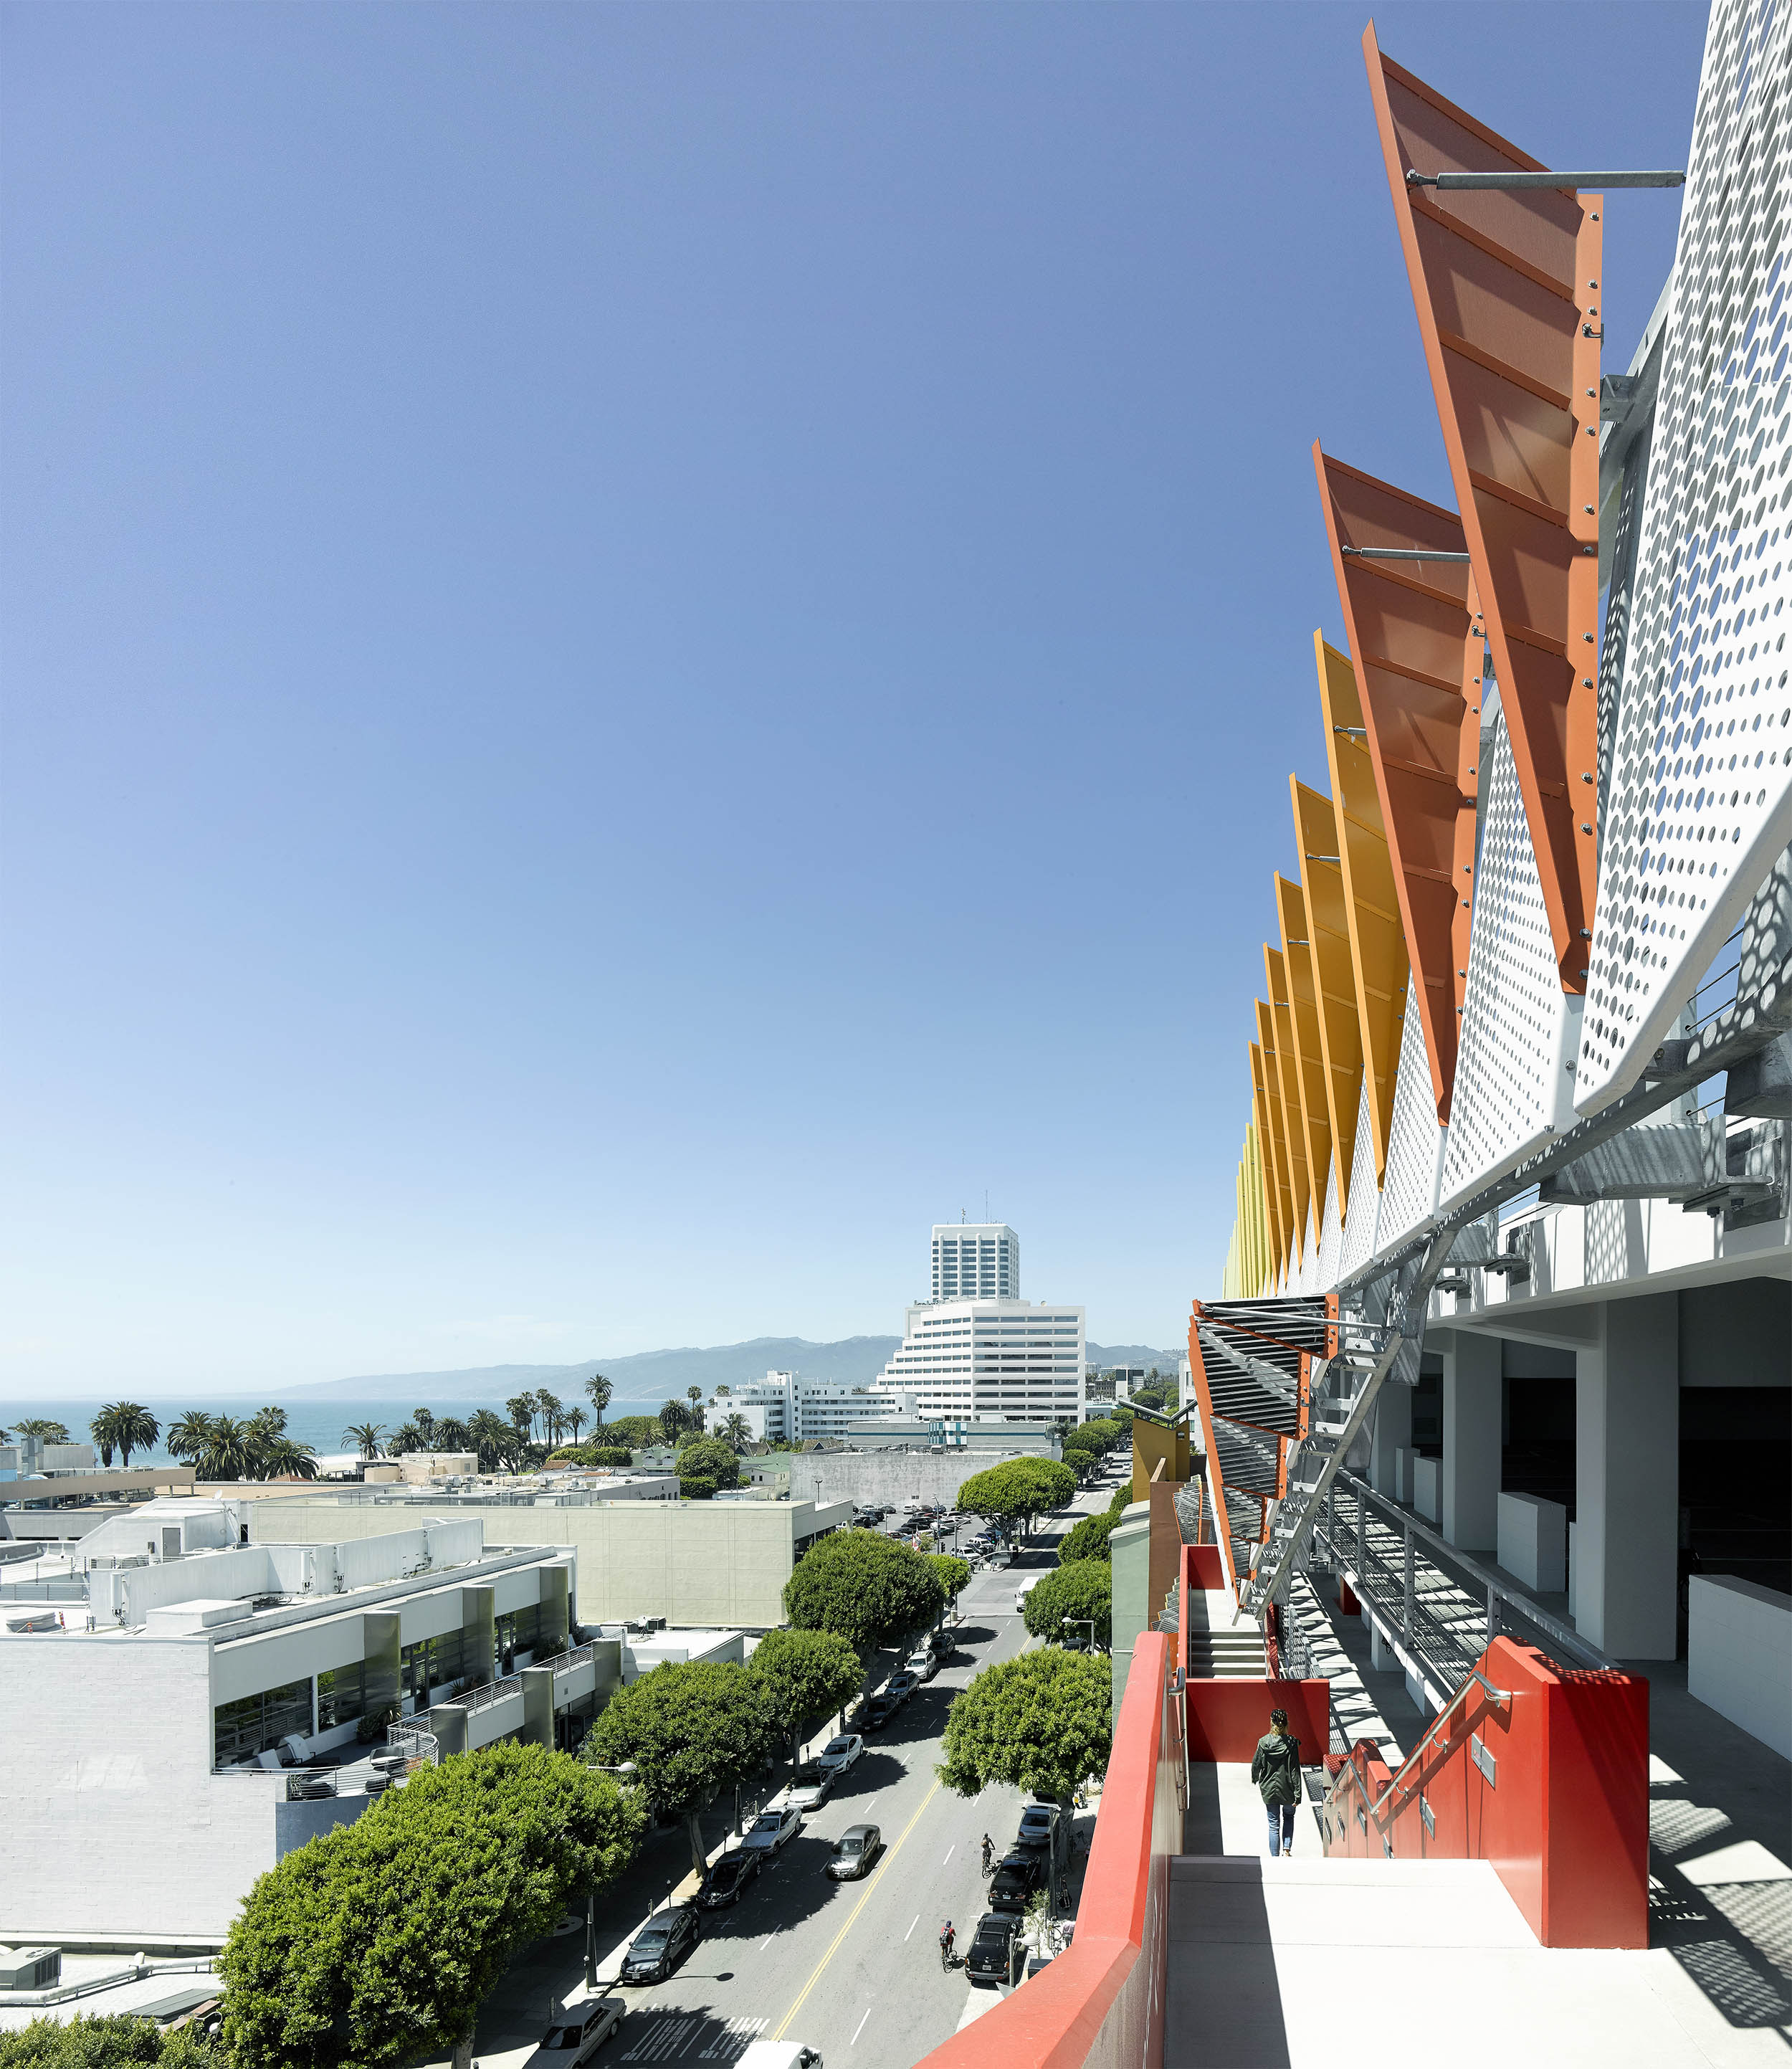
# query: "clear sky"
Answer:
x=646 y=647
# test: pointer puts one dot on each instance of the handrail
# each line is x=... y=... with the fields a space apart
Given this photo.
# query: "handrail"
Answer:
x=492 y=1691
x=1496 y=1583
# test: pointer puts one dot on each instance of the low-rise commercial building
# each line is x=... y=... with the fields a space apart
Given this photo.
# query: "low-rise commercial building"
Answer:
x=157 y=1681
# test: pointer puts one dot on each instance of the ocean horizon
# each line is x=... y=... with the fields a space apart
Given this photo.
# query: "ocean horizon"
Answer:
x=318 y=1423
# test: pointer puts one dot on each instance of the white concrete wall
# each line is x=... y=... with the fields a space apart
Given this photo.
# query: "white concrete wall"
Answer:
x=114 y=1823
x=1739 y=1656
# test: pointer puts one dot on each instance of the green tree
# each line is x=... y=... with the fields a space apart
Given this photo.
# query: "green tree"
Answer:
x=128 y=1426
x=602 y=1393
x=1017 y=1490
x=806 y=1675
x=696 y=1486
x=1122 y=1499
x=520 y=1408
x=407 y=1437
x=451 y=1434
x=1042 y=1723
x=1101 y=1431
x=575 y=1420
x=954 y=1572
x=285 y=1460
x=866 y=1587
x=492 y=1437
x=188 y=1434
x=637 y=1431
x=1083 y=1590
x=47 y=1432
x=115 y=2040
x=365 y=1437
x=694 y=1395
x=608 y=1454
x=691 y=1729
x=553 y=1413
x=231 y=1451
x=674 y=1416
x=711 y=1458
x=736 y=1432
x=1088 y=1539
x=375 y=1944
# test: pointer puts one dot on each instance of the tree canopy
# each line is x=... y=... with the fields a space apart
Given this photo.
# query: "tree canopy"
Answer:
x=690 y=1729
x=1100 y=1431
x=113 y=2040
x=375 y=1944
x=954 y=1572
x=1083 y=1590
x=806 y=1675
x=1123 y=1499
x=865 y=1587
x=123 y=1426
x=635 y=1430
x=223 y=1447
x=1017 y=1489
x=1042 y=1723
x=709 y=1459
x=1088 y=1540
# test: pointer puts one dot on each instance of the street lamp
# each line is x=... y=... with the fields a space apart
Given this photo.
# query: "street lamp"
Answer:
x=625 y=1773
x=1089 y=1621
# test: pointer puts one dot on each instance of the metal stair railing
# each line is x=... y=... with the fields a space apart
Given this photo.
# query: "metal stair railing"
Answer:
x=1391 y=1339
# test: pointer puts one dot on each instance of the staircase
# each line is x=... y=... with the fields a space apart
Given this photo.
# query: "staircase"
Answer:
x=1228 y=1655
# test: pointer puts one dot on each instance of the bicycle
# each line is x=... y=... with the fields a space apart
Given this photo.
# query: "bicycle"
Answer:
x=988 y=1857
x=947 y=1939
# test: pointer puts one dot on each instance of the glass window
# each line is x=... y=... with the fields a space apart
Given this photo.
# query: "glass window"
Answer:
x=341 y=1696
x=257 y=1724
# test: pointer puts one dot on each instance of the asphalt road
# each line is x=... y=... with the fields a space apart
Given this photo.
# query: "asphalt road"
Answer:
x=850 y=1968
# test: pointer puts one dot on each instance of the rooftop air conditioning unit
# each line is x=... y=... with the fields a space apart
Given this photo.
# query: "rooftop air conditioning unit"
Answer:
x=29 y=1967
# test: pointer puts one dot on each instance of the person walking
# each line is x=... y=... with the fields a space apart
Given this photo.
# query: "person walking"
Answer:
x=1276 y=1769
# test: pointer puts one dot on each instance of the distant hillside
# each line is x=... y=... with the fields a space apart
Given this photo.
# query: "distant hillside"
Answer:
x=649 y=1377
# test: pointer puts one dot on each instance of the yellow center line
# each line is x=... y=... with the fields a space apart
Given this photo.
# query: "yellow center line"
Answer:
x=783 y=2032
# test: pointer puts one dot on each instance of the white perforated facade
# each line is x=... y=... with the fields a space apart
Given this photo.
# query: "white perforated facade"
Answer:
x=1409 y=1189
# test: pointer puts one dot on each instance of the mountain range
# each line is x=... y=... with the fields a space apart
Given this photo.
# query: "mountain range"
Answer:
x=650 y=1377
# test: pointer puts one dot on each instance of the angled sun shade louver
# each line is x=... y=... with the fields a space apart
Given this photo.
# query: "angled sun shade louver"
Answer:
x=1288 y=1084
x=1340 y=1030
x=1371 y=906
x=1506 y=286
x=1414 y=636
x=1308 y=1057
x=1278 y=1199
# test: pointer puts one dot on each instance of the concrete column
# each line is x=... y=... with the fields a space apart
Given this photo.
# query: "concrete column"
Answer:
x=1393 y=1433
x=1129 y=1550
x=537 y=1726
x=448 y=1722
x=1626 y=1479
x=1472 y=1420
x=1381 y=1657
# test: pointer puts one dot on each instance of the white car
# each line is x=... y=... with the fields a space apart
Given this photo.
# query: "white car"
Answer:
x=839 y=1754
x=811 y=1786
x=578 y=2033
x=923 y=1664
x=772 y=1829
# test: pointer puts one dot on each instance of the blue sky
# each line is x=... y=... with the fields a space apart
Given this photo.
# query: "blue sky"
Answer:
x=647 y=646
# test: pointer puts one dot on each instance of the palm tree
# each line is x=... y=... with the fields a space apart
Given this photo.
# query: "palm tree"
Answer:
x=47 y=1433
x=231 y=1451
x=521 y=1408
x=365 y=1437
x=101 y=1430
x=189 y=1436
x=601 y=1392
x=451 y=1434
x=123 y=1426
x=674 y=1416
x=736 y=1432
x=574 y=1420
x=407 y=1437
x=552 y=1413
x=287 y=1459
x=425 y=1421
x=694 y=1395
x=514 y=1445
x=487 y=1434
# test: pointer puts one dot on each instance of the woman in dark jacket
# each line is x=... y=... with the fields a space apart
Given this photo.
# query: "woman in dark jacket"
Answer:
x=1276 y=1769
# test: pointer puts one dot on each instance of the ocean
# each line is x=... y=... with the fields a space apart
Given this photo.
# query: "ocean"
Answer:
x=318 y=1423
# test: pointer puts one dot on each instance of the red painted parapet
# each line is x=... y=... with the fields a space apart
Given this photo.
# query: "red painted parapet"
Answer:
x=1549 y=1782
x=1227 y=1718
x=1205 y=1569
x=1100 y=2002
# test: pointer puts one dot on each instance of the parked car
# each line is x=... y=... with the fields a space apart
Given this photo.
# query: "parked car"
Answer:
x=944 y=1641
x=811 y=1786
x=855 y=1851
x=902 y=1686
x=578 y=2033
x=839 y=1754
x=1038 y=1825
x=1018 y=1875
x=921 y=1663
x=725 y=1880
x=774 y=1829
x=992 y=1947
x=660 y=1945
x=878 y=1712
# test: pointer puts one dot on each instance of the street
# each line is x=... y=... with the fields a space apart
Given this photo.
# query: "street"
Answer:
x=850 y=1968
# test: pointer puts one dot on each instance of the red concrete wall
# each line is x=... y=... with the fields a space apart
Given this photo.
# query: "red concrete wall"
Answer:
x=1203 y=1567
x=1100 y=2003
x=1226 y=1719
x=1565 y=1820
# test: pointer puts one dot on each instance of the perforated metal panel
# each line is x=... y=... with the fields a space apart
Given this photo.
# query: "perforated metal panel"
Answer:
x=1408 y=1192
x=1514 y=1085
x=1366 y=1201
x=1701 y=792
x=1331 y=1240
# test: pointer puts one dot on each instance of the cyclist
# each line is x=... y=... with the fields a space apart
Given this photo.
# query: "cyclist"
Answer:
x=988 y=1852
x=947 y=1937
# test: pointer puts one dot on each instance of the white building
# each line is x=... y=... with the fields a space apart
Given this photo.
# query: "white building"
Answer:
x=158 y=1680
x=977 y=1260
x=984 y=1359
x=785 y=1408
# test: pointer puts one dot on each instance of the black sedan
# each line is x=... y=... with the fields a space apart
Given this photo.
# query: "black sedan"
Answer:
x=660 y=1946
x=1015 y=1882
x=878 y=1712
x=992 y=1948
x=723 y=1880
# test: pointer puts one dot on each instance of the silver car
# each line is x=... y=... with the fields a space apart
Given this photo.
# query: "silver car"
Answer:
x=773 y=1828
x=578 y=2033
